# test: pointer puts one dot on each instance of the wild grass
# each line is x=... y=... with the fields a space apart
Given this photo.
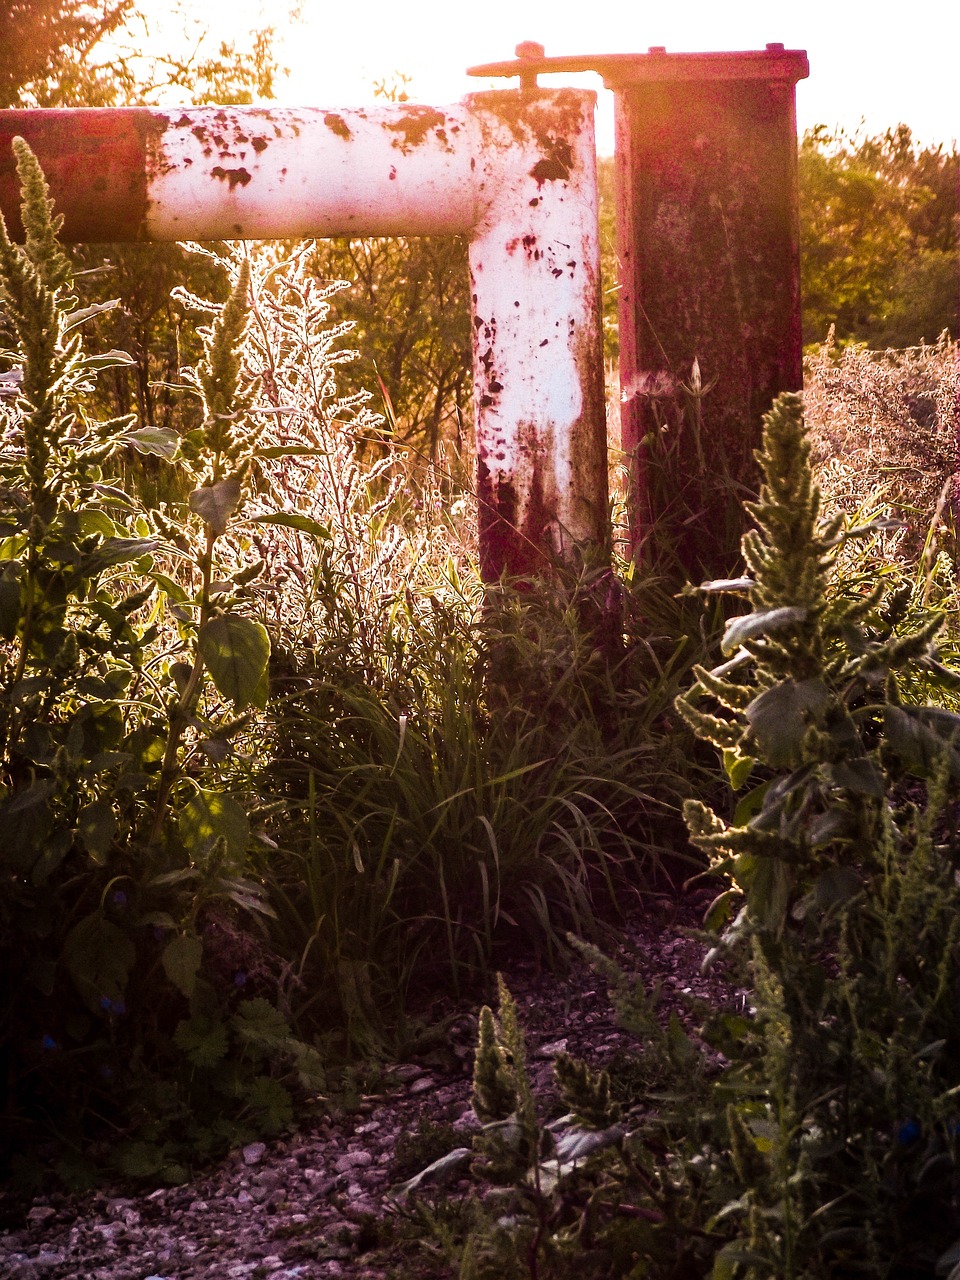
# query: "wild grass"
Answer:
x=447 y=765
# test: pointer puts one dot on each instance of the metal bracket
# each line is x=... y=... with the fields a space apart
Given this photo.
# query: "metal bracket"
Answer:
x=619 y=69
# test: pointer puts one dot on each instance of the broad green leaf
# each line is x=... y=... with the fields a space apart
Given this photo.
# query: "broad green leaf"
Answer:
x=116 y=551
x=293 y=520
x=208 y=815
x=779 y=718
x=93 y=520
x=99 y=956
x=236 y=651
x=96 y=827
x=155 y=440
x=917 y=744
x=203 y=1040
x=770 y=893
x=751 y=804
x=181 y=961
x=11 y=548
x=172 y=589
x=751 y=625
x=720 y=910
x=836 y=886
x=258 y=1022
x=216 y=503
x=56 y=845
x=737 y=767
x=859 y=775
x=827 y=827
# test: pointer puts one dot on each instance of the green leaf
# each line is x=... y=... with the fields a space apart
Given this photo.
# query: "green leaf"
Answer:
x=737 y=767
x=216 y=503
x=173 y=589
x=208 y=815
x=779 y=718
x=99 y=956
x=116 y=551
x=293 y=520
x=203 y=1040
x=155 y=440
x=917 y=744
x=258 y=1022
x=237 y=651
x=93 y=520
x=836 y=886
x=107 y=360
x=859 y=775
x=751 y=625
x=73 y=318
x=140 y=1159
x=770 y=893
x=271 y=1102
x=96 y=827
x=181 y=961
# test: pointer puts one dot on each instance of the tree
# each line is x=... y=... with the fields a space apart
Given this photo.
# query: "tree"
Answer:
x=879 y=228
x=46 y=49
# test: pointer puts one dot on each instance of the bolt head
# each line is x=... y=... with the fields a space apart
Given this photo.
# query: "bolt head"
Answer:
x=529 y=49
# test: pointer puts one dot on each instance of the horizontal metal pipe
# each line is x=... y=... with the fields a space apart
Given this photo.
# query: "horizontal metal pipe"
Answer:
x=214 y=173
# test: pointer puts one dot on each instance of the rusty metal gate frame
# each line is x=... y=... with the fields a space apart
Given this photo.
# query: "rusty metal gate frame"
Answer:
x=513 y=171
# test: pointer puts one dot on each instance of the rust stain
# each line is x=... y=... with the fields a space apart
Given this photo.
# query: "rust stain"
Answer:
x=121 y=146
x=235 y=177
x=336 y=124
x=414 y=125
x=515 y=518
x=556 y=165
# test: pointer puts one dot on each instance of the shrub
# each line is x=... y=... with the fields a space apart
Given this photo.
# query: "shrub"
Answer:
x=129 y=670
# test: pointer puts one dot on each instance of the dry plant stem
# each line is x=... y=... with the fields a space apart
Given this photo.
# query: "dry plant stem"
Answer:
x=184 y=706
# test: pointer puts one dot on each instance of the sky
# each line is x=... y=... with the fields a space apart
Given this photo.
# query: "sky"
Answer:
x=865 y=66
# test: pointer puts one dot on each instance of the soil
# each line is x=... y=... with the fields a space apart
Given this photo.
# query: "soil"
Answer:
x=316 y=1204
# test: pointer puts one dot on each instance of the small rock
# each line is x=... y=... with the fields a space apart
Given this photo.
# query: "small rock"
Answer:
x=405 y=1071
x=22 y=1268
x=41 y=1213
x=353 y=1160
x=254 y=1152
x=553 y=1049
x=422 y=1084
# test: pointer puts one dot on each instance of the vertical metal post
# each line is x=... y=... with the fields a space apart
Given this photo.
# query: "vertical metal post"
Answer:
x=538 y=347
x=709 y=289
